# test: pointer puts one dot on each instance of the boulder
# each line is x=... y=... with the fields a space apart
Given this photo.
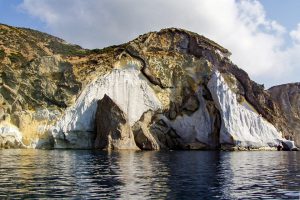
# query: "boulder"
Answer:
x=10 y=137
x=152 y=133
x=144 y=139
x=288 y=145
x=112 y=127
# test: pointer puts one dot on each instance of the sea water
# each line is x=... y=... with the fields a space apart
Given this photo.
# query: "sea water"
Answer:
x=83 y=174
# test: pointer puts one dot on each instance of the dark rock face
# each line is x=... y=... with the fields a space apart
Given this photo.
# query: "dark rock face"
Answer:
x=143 y=137
x=288 y=146
x=152 y=133
x=287 y=97
x=112 y=126
x=149 y=133
x=167 y=137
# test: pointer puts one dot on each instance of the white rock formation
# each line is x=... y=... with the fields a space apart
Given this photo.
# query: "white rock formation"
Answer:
x=10 y=134
x=196 y=127
x=127 y=87
x=240 y=126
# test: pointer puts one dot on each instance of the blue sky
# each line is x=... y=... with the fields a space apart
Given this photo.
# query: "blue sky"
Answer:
x=285 y=12
x=11 y=14
x=263 y=36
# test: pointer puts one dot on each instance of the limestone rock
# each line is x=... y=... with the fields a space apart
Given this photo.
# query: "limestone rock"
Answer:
x=126 y=87
x=10 y=136
x=112 y=126
x=240 y=126
x=195 y=129
x=261 y=101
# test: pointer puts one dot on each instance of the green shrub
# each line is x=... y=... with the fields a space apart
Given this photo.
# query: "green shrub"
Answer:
x=16 y=57
x=105 y=49
x=66 y=49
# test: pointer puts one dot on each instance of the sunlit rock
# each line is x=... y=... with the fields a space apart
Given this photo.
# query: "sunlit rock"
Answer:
x=10 y=136
x=240 y=126
x=175 y=89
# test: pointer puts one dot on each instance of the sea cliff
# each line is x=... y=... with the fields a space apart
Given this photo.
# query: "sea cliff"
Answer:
x=171 y=89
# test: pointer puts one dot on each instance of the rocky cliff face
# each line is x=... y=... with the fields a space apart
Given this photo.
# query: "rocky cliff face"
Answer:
x=171 y=89
x=287 y=97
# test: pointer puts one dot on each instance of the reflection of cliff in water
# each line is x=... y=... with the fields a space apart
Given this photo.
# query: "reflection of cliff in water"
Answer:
x=148 y=174
x=143 y=175
x=257 y=174
x=194 y=175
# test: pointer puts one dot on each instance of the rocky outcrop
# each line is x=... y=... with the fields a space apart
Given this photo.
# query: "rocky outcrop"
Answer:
x=241 y=127
x=171 y=89
x=287 y=97
x=142 y=135
x=10 y=137
x=152 y=132
x=126 y=86
x=112 y=127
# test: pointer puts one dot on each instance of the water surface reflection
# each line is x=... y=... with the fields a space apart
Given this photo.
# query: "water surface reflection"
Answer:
x=149 y=175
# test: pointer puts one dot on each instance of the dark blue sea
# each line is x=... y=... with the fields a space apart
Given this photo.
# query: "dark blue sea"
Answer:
x=80 y=174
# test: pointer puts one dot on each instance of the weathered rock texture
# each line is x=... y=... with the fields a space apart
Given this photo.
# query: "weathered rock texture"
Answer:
x=112 y=126
x=171 y=89
x=287 y=98
x=142 y=133
x=10 y=137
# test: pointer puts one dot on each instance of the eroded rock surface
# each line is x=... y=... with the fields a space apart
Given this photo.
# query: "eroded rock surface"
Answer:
x=287 y=97
x=10 y=137
x=127 y=87
x=113 y=127
x=241 y=127
x=142 y=134
x=171 y=89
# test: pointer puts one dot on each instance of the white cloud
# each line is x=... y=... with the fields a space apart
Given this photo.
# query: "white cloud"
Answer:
x=295 y=34
x=257 y=43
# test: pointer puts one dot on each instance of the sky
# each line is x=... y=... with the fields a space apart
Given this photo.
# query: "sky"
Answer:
x=263 y=36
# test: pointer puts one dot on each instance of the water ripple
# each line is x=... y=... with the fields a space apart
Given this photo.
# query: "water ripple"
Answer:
x=57 y=174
